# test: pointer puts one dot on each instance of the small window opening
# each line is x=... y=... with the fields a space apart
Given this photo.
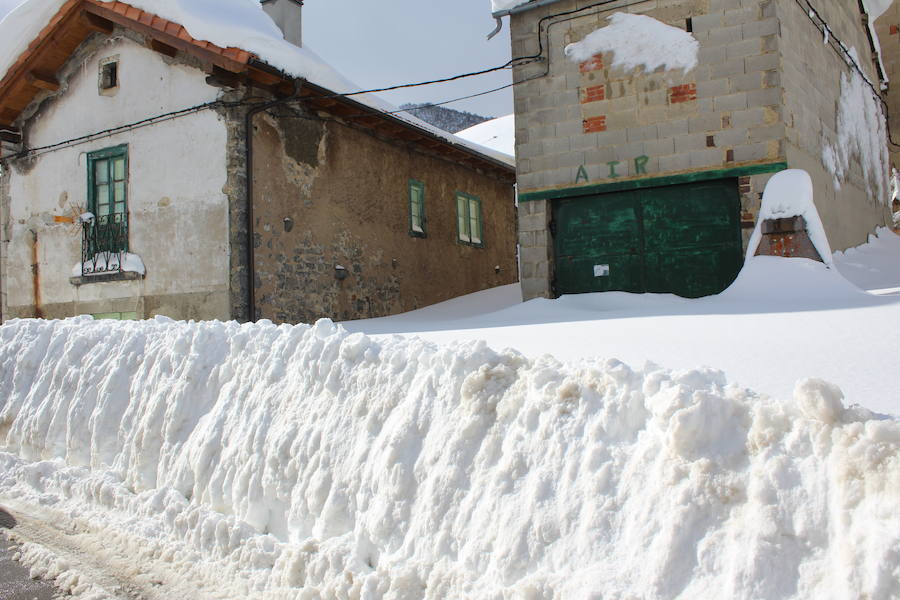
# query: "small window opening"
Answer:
x=109 y=76
x=689 y=24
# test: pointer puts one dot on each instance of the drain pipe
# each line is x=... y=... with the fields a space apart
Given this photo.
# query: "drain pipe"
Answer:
x=248 y=161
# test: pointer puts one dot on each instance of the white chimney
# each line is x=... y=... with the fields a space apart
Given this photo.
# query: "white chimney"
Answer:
x=286 y=14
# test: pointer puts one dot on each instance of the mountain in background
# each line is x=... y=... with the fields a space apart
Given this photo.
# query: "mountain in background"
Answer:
x=445 y=118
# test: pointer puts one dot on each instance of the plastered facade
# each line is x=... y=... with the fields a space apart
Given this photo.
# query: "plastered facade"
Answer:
x=326 y=193
x=178 y=213
x=765 y=93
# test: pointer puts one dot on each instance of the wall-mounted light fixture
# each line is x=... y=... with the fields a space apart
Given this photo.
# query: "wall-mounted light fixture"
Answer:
x=340 y=272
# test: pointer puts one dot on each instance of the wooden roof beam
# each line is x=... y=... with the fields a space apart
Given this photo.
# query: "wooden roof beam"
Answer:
x=162 y=48
x=42 y=81
x=10 y=135
x=8 y=116
x=97 y=23
x=229 y=64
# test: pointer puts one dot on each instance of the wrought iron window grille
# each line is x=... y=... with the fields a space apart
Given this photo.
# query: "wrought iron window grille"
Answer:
x=104 y=244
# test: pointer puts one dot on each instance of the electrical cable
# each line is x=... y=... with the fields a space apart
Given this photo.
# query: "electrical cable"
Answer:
x=847 y=57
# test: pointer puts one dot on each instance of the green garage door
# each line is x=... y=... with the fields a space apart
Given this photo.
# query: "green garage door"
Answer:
x=681 y=239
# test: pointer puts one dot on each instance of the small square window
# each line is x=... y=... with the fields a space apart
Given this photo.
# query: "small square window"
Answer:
x=109 y=76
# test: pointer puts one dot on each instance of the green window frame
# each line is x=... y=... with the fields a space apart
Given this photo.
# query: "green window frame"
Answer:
x=108 y=198
x=417 y=218
x=469 y=222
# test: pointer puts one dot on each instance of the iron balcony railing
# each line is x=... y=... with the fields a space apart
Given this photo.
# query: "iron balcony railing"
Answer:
x=104 y=243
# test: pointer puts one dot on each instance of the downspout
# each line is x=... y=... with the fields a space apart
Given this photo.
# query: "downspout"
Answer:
x=36 y=276
x=248 y=161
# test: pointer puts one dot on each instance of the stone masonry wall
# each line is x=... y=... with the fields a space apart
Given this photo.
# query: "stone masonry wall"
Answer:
x=585 y=124
x=328 y=194
x=813 y=71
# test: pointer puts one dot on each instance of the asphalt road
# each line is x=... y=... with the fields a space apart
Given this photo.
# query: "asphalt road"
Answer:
x=15 y=584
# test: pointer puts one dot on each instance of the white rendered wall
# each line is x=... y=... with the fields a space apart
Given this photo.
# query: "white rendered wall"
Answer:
x=178 y=213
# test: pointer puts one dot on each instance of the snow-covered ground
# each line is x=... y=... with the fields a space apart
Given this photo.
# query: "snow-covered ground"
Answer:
x=217 y=460
x=784 y=319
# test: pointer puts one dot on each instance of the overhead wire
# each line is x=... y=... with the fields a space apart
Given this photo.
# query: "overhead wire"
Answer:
x=543 y=28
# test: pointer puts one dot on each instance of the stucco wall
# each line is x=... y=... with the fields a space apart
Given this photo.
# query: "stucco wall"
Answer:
x=178 y=213
x=812 y=75
x=327 y=194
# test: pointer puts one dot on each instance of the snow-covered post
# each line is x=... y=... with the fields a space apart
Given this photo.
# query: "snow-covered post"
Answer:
x=789 y=224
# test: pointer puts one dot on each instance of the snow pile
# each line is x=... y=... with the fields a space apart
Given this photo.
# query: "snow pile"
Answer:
x=789 y=193
x=639 y=40
x=861 y=135
x=308 y=462
x=497 y=134
x=226 y=23
x=874 y=265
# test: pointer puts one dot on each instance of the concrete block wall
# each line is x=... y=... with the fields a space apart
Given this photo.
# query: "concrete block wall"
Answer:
x=589 y=123
x=535 y=249
x=812 y=73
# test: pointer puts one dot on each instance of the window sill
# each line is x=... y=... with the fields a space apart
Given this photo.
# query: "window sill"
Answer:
x=105 y=278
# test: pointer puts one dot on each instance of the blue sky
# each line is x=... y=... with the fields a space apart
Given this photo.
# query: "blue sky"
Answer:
x=376 y=43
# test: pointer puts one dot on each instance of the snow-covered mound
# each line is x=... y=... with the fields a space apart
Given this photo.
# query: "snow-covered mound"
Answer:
x=874 y=265
x=497 y=134
x=259 y=460
x=639 y=41
x=789 y=193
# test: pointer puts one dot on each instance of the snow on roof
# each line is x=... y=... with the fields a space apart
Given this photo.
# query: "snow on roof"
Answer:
x=497 y=134
x=639 y=40
x=226 y=23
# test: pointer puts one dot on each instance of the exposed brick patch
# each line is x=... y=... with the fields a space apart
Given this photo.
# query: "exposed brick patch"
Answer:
x=593 y=94
x=682 y=93
x=895 y=29
x=594 y=124
x=744 y=185
x=594 y=63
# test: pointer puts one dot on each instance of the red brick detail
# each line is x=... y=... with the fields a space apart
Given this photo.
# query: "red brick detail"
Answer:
x=593 y=94
x=682 y=93
x=895 y=29
x=594 y=63
x=594 y=124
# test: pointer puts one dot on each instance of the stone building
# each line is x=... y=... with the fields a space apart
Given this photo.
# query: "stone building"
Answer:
x=648 y=178
x=127 y=141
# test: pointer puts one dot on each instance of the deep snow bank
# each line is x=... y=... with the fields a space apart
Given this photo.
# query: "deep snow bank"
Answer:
x=305 y=457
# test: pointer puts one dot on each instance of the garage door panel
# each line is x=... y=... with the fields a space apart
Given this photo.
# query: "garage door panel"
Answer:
x=600 y=273
x=693 y=272
x=685 y=217
x=682 y=239
x=597 y=225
